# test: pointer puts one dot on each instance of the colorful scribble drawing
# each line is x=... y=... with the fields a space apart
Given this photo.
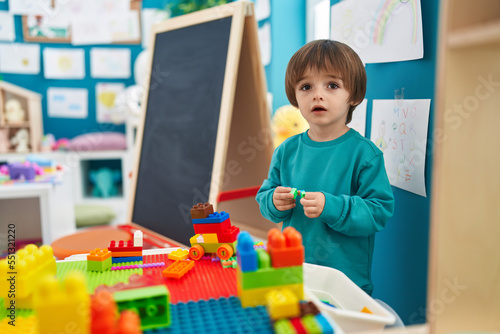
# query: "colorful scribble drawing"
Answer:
x=387 y=9
x=380 y=142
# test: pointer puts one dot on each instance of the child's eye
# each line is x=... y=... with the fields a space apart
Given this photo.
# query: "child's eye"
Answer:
x=333 y=85
x=305 y=87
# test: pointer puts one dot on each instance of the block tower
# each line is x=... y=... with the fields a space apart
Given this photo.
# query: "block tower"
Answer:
x=280 y=267
x=214 y=233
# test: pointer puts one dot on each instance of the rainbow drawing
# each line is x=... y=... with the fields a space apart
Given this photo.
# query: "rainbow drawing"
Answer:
x=384 y=14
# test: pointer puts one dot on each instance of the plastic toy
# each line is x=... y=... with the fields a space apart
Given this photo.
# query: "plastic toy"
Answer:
x=285 y=248
x=178 y=269
x=99 y=260
x=104 y=181
x=47 y=143
x=286 y=122
x=61 y=145
x=141 y=266
x=14 y=112
x=300 y=193
x=215 y=234
x=282 y=303
x=138 y=239
x=21 y=141
x=178 y=254
x=57 y=305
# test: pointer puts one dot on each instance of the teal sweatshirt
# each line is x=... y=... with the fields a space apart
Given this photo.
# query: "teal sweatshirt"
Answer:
x=351 y=174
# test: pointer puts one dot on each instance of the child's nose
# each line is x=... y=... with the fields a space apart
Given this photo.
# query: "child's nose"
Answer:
x=318 y=95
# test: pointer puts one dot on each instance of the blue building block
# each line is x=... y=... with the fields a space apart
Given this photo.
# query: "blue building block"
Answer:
x=223 y=315
x=246 y=253
x=216 y=217
x=126 y=259
x=327 y=329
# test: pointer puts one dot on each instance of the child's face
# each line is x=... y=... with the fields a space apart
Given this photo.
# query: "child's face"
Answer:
x=322 y=100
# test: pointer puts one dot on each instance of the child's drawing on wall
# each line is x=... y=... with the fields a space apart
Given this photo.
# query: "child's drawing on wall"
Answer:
x=380 y=142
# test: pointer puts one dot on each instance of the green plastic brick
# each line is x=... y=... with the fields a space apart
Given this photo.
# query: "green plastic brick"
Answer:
x=99 y=265
x=311 y=325
x=152 y=303
x=268 y=277
x=284 y=326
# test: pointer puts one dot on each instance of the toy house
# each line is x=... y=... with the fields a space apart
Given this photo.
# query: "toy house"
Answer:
x=21 y=126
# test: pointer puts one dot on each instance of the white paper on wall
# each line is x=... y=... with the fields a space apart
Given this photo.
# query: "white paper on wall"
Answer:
x=110 y=63
x=379 y=30
x=63 y=63
x=149 y=17
x=399 y=129
x=25 y=7
x=67 y=102
x=125 y=27
x=358 y=121
x=92 y=29
x=265 y=43
x=20 y=58
x=7 y=29
x=262 y=9
x=105 y=96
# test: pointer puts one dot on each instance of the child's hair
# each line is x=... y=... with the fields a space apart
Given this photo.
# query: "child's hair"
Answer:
x=333 y=57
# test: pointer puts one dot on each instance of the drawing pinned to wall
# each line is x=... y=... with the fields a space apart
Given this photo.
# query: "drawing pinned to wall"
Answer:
x=264 y=34
x=110 y=63
x=106 y=94
x=7 y=30
x=20 y=58
x=262 y=9
x=63 y=63
x=379 y=30
x=358 y=121
x=48 y=27
x=67 y=102
x=399 y=129
x=26 y=7
x=150 y=16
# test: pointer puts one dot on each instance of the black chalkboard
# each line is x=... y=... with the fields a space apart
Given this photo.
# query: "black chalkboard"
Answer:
x=180 y=127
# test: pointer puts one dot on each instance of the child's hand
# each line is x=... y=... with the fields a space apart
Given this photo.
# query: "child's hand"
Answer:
x=313 y=203
x=283 y=199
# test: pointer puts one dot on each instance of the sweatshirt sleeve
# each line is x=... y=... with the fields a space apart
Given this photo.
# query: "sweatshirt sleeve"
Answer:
x=369 y=209
x=265 y=194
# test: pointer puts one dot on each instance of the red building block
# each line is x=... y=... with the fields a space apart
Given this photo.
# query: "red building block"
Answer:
x=212 y=228
x=178 y=269
x=298 y=326
x=129 y=323
x=122 y=246
x=285 y=248
x=201 y=210
x=229 y=236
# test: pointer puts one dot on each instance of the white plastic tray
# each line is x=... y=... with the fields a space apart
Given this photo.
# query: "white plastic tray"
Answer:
x=324 y=283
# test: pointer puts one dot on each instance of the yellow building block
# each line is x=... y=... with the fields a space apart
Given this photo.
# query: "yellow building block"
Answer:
x=30 y=264
x=63 y=308
x=282 y=303
x=18 y=325
x=256 y=297
x=205 y=238
x=179 y=254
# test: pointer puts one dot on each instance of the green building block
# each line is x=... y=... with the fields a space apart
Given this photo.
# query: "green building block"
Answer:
x=284 y=326
x=268 y=277
x=151 y=303
x=311 y=325
x=295 y=192
x=99 y=265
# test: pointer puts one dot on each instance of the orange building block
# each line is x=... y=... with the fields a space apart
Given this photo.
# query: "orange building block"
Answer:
x=104 y=312
x=129 y=323
x=126 y=254
x=99 y=255
x=285 y=248
x=178 y=269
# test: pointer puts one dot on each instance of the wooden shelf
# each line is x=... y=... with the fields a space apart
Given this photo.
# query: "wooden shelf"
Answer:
x=16 y=125
x=486 y=33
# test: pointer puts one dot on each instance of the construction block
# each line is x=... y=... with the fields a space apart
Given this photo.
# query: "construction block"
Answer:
x=99 y=254
x=126 y=259
x=284 y=326
x=129 y=323
x=31 y=264
x=138 y=239
x=216 y=217
x=179 y=254
x=151 y=303
x=126 y=254
x=245 y=253
x=206 y=238
x=270 y=277
x=311 y=325
x=256 y=297
x=99 y=265
x=212 y=248
x=297 y=324
x=282 y=303
x=308 y=308
x=58 y=306
x=212 y=227
x=178 y=269
x=201 y=210
x=326 y=328
x=230 y=235
x=122 y=246
x=302 y=193
x=104 y=312
x=295 y=192
x=285 y=248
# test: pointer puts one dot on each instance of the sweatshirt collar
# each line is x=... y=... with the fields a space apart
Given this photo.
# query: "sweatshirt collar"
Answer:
x=308 y=141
